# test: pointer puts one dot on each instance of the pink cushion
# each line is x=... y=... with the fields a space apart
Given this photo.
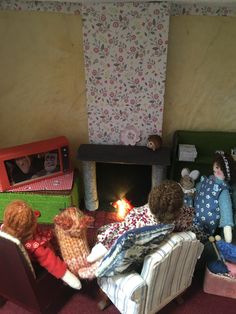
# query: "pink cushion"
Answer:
x=219 y=285
x=232 y=269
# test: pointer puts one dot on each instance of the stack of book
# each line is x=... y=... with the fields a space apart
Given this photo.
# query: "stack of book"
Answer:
x=187 y=152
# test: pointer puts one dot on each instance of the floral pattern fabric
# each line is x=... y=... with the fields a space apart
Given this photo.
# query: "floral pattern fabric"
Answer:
x=138 y=217
x=207 y=204
x=73 y=7
x=125 y=48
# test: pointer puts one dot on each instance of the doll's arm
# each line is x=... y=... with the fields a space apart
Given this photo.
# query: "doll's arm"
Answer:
x=228 y=234
x=226 y=215
x=71 y=280
x=54 y=265
x=199 y=184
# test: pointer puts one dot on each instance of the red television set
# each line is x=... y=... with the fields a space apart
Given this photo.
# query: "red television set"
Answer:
x=32 y=162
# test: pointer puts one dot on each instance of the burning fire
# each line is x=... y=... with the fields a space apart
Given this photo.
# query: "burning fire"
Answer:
x=123 y=206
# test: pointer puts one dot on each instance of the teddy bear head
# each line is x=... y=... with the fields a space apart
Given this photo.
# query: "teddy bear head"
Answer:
x=187 y=181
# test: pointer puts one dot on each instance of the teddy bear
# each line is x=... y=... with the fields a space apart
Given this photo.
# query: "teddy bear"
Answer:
x=187 y=183
x=20 y=221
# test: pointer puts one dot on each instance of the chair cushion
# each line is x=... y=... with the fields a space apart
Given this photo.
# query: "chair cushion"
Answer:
x=21 y=247
x=128 y=252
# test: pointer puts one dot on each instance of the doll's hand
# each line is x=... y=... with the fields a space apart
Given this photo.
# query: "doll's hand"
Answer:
x=228 y=234
x=71 y=280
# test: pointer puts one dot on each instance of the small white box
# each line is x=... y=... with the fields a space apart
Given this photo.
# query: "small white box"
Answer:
x=187 y=152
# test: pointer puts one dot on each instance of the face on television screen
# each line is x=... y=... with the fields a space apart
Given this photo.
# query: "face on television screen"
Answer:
x=30 y=167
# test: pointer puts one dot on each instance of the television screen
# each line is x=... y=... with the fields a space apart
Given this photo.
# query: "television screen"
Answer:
x=29 y=167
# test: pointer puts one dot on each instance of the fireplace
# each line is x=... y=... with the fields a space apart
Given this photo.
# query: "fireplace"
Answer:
x=94 y=156
x=122 y=181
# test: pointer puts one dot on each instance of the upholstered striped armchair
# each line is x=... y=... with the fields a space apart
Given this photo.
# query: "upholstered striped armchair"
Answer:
x=165 y=274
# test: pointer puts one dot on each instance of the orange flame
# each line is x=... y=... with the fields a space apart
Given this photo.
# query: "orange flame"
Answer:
x=123 y=206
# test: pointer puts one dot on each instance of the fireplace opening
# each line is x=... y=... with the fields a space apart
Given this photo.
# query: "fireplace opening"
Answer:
x=117 y=181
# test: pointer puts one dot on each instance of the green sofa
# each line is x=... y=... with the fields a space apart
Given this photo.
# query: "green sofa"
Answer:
x=206 y=142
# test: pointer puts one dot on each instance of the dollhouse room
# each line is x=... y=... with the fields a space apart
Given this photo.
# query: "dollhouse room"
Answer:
x=102 y=102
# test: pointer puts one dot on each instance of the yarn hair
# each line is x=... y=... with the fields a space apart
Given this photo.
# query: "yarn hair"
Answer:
x=19 y=220
x=227 y=165
x=165 y=201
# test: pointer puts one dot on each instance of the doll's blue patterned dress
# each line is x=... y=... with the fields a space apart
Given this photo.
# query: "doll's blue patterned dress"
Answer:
x=206 y=203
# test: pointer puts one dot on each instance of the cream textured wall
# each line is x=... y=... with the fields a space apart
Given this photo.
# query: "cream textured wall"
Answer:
x=201 y=75
x=42 y=84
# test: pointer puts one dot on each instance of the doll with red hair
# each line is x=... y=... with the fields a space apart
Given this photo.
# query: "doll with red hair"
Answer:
x=20 y=222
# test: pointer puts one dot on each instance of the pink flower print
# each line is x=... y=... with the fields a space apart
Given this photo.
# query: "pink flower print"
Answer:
x=94 y=72
x=115 y=24
x=132 y=101
x=58 y=7
x=132 y=49
x=103 y=17
x=155 y=96
x=120 y=59
x=140 y=73
x=130 y=136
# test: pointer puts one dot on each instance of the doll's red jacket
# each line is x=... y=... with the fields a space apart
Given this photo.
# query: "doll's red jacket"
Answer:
x=40 y=249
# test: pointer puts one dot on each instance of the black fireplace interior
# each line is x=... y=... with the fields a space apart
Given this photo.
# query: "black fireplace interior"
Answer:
x=115 y=180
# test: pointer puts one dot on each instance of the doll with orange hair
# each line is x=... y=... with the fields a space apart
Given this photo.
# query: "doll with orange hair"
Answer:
x=20 y=222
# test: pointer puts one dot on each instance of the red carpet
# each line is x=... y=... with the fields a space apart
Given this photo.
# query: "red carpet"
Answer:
x=195 y=302
x=85 y=301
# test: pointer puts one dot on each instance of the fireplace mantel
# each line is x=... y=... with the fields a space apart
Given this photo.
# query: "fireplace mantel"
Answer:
x=138 y=155
x=90 y=154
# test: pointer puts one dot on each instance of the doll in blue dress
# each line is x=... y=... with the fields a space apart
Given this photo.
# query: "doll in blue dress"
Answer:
x=212 y=202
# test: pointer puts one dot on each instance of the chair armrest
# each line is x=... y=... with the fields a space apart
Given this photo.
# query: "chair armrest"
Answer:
x=132 y=285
